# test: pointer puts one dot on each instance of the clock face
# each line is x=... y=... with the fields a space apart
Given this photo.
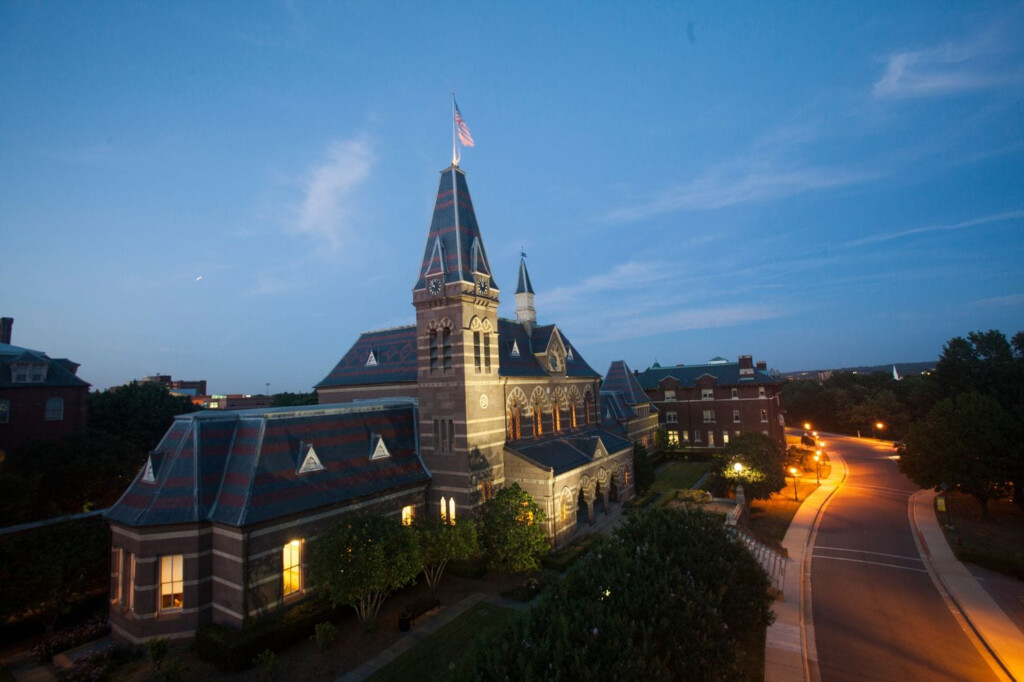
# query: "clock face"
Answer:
x=434 y=286
x=482 y=286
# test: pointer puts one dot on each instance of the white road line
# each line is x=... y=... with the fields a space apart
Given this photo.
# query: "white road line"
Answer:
x=896 y=491
x=864 y=551
x=875 y=563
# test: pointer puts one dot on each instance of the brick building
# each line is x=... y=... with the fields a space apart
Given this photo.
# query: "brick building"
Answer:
x=702 y=406
x=41 y=398
x=430 y=418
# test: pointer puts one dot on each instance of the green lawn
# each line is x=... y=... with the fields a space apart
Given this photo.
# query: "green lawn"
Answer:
x=440 y=653
x=679 y=475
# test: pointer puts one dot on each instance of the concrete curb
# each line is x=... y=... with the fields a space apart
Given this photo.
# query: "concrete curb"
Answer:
x=790 y=650
x=1002 y=641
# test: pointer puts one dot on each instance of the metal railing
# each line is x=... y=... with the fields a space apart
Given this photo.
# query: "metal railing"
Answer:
x=771 y=556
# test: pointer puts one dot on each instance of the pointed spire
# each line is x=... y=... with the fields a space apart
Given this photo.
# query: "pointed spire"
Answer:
x=525 y=313
x=455 y=248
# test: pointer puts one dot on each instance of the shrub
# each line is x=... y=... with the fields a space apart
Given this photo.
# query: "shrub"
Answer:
x=68 y=639
x=324 y=635
x=158 y=648
x=267 y=663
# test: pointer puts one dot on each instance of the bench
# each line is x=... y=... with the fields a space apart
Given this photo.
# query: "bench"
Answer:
x=414 y=610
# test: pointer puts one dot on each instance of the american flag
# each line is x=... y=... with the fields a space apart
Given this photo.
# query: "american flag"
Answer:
x=464 y=137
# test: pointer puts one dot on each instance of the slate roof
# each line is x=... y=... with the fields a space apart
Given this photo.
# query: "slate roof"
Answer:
x=395 y=353
x=454 y=246
x=615 y=408
x=620 y=379
x=59 y=371
x=727 y=374
x=523 y=285
x=241 y=467
x=561 y=453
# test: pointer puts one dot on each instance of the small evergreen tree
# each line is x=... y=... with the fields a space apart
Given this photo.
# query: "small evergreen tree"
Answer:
x=513 y=530
x=643 y=470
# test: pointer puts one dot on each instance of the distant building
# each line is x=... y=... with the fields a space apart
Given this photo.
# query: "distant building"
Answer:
x=178 y=387
x=703 y=406
x=233 y=401
x=41 y=398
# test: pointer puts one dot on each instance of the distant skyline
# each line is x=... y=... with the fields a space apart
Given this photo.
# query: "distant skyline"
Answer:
x=234 y=191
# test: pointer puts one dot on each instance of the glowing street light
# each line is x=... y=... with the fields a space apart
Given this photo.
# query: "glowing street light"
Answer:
x=876 y=426
x=817 y=465
x=737 y=467
x=807 y=426
x=793 y=472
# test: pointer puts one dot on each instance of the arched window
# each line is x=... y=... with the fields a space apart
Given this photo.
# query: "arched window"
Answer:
x=556 y=417
x=444 y=510
x=538 y=426
x=451 y=510
x=572 y=415
x=433 y=350
x=515 y=426
x=446 y=342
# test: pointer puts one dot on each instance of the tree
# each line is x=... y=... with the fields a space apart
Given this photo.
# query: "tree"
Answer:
x=513 y=530
x=363 y=559
x=139 y=413
x=439 y=542
x=288 y=399
x=670 y=596
x=643 y=470
x=962 y=443
x=763 y=464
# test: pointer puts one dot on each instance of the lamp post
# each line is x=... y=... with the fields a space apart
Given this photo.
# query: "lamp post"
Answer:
x=792 y=472
x=876 y=426
x=807 y=426
x=817 y=465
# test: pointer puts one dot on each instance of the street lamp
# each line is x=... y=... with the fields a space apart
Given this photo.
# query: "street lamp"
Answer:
x=737 y=467
x=817 y=465
x=877 y=425
x=807 y=426
x=792 y=471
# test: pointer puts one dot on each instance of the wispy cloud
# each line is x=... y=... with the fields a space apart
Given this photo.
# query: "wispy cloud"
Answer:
x=890 y=236
x=632 y=324
x=758 y=177
x=1001 y=301
x=633 y=274
x=947 y=69
x=330 y=190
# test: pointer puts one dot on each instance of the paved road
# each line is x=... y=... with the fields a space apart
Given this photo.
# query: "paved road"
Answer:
x=876 y=613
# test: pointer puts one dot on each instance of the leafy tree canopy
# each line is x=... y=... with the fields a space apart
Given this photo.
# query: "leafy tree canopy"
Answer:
x=643 y=469
x=439 y=542
x=513 y=530
x=763 y=464
x=137 y=412
x=288 y=399
x=363 y=559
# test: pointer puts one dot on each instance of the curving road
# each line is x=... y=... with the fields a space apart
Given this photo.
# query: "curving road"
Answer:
x=876 y=613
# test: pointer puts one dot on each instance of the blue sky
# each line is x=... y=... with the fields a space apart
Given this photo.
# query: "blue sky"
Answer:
x=815 y=185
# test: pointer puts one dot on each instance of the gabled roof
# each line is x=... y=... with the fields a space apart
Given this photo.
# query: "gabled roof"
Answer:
x=243 y=467
x=59 y=372
x=621 y=380
x=454 y=249
x=726 y=374
x=512 y=333
x=394 y=359
x=560 y=453
x=523 y=285
x=614 y=408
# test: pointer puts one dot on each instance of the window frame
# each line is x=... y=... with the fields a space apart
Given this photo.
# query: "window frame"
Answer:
x=167 y=591
x=291 y=567
x=54 y=410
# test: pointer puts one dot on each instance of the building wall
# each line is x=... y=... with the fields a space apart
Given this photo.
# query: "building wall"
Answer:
x=230 y=574
x=757 y=414
x=27 y=417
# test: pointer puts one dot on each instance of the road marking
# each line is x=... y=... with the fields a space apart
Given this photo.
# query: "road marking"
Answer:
x=864 y=551
x=878 y=487
x=875 y=563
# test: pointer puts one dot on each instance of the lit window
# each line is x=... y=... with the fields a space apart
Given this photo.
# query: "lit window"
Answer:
x=451 y=510
x=556 y=418
x=515 y=424
x=291 y=567
x=686 y=436
x=707 y=394
x=54 y=409
x=444 y=510
x=711 y=438
x=538 y=427
x=172 y=582
x=760 y=392
x=725 y=437
x=572 y=415
x=709 y=416
x=408 y=514
x=735 y=394
x=673 y=438
x=671 y=417
x=764 y=415
x=670 y=395
x=5 y=411
x=735 y=416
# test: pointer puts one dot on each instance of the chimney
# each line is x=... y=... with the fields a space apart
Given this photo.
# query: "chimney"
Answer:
x=6 y=324
x=746 y=366
x=762 y=365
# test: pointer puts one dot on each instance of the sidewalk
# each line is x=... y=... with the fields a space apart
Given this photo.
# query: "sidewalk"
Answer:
x=1003 y=640
x=791 y=635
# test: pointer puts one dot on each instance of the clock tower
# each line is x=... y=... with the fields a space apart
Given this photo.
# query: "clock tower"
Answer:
x=461 y=407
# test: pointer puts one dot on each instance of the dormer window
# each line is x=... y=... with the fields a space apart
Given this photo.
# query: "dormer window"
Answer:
x=371 y=359
x=515 y=350
x=28 y=373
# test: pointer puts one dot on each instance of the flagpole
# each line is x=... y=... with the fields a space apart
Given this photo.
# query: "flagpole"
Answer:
x=455 y=157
